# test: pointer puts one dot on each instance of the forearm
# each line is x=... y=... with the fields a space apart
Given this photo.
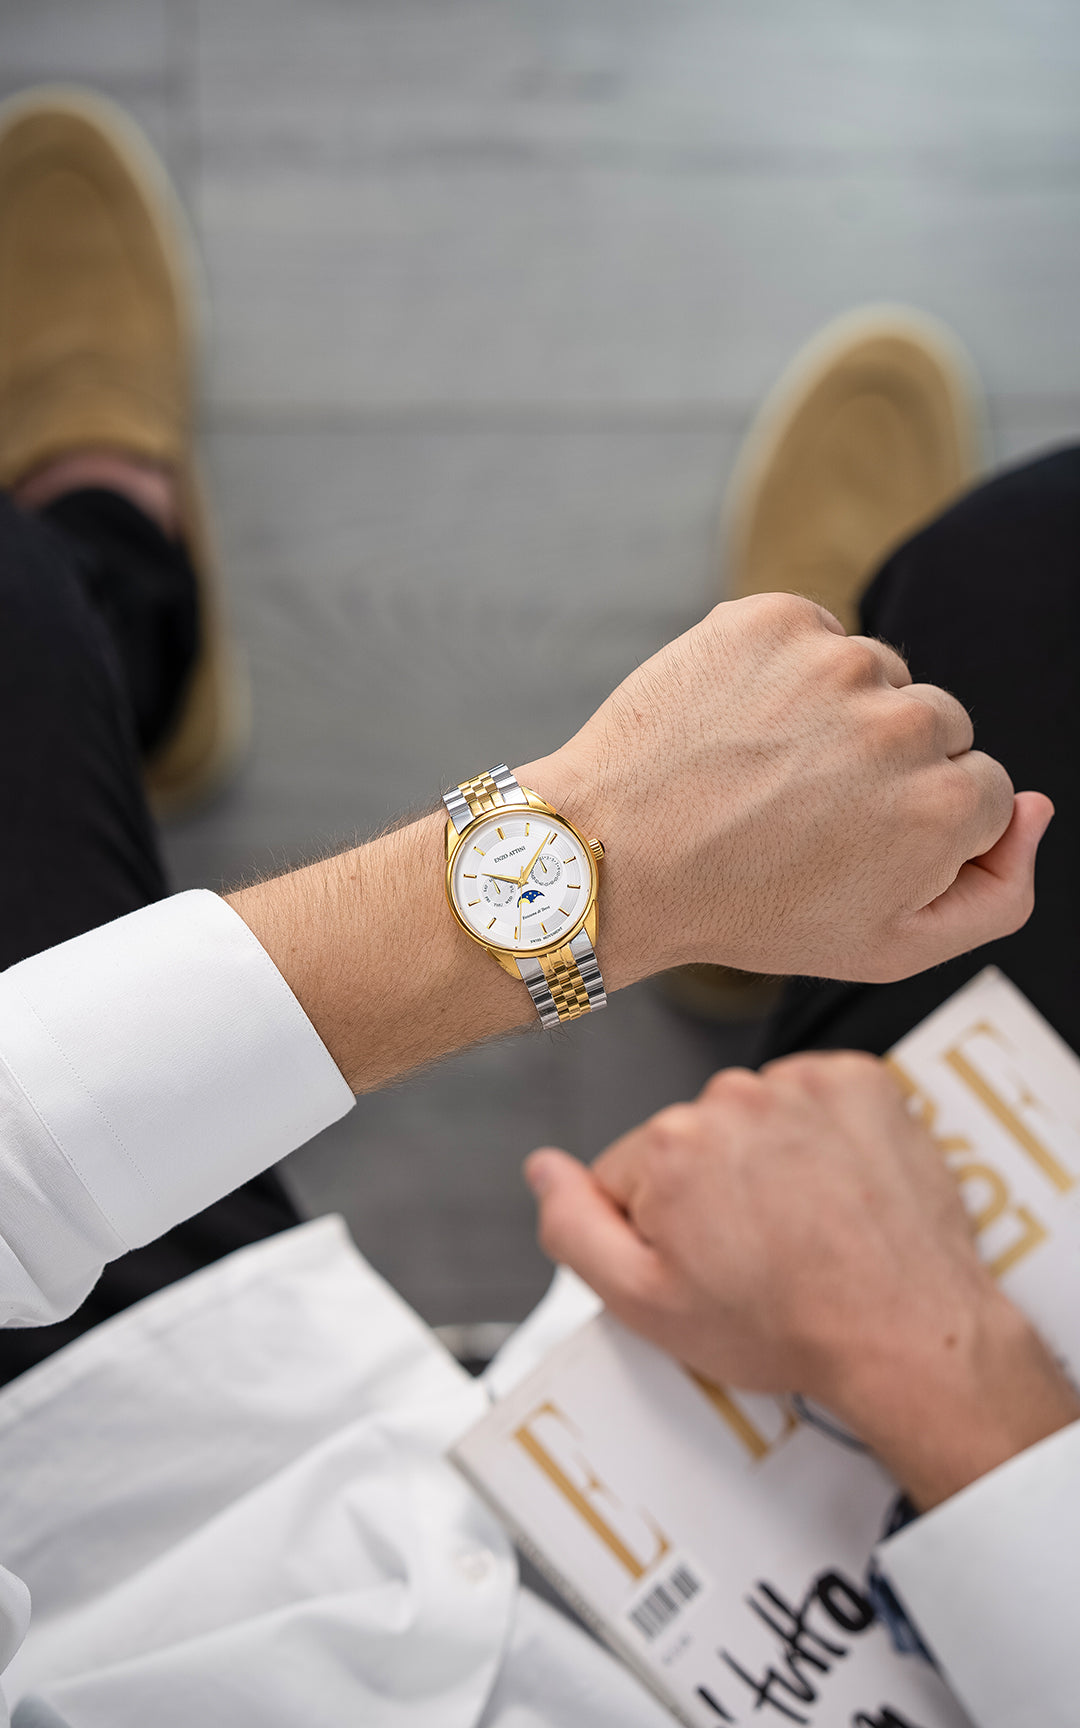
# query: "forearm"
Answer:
x=952 y=1406
x=368 y=946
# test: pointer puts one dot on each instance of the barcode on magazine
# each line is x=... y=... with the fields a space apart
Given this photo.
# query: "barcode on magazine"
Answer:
x=658 y=1609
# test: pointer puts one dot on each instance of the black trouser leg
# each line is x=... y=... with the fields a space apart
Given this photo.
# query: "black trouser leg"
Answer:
x=98 y=631
x=79 y=847
x=986 y=602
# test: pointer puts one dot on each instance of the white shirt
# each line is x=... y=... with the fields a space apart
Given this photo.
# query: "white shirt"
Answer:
x=231 y=1503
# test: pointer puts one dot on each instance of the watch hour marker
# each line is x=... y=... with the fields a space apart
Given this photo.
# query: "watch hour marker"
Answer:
x=474 y=902
x=544 y=928
x=492 y=922
x=500 y=833
x=568 y=860
x=573 y=884
x=481 y=851
x=469 y=875
x=526 y=827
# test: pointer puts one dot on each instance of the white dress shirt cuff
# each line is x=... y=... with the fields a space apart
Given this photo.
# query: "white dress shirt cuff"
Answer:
x=146 y=1069
x=991 y=1579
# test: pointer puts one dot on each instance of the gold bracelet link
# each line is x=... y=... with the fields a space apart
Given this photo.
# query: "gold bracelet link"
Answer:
x=563 y=977
x=481 y=794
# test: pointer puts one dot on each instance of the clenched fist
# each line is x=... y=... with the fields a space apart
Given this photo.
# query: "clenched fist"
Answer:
x=778 y=796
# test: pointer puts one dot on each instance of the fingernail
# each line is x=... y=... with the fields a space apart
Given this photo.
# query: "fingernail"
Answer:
x=538 y=1173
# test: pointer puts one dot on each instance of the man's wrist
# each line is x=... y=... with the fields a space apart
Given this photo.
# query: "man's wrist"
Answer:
x=942 y=1410
x=627 y=946
x=367 y=944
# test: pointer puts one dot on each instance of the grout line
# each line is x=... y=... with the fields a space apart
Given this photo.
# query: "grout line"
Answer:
x=450 y=416
x=597 y=417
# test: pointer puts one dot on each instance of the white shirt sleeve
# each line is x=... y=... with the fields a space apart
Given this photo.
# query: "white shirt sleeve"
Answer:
x=146 y=1069
x=991 y=1579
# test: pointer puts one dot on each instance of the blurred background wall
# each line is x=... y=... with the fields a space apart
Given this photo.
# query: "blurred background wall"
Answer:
x=495 y=286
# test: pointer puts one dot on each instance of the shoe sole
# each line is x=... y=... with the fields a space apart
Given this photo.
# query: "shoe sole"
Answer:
x=802 y=377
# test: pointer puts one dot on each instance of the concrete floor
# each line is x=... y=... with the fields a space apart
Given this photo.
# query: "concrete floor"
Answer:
x=496 y=285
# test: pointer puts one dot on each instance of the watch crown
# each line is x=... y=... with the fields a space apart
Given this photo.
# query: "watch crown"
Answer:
x=596 y=847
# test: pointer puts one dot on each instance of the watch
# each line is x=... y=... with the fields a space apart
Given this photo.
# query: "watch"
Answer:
x=522 y=881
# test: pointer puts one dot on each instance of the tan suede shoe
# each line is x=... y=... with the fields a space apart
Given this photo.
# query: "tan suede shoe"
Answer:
x=97 y=340
x=871 y=431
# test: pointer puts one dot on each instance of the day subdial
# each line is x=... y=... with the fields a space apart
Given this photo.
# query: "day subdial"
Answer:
x=546 y=871
x=498 y=893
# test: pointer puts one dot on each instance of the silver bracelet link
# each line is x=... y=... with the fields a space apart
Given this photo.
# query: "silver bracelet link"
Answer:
x=469 y=800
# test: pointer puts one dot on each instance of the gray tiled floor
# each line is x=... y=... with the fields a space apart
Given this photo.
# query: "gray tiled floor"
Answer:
x=496 y=284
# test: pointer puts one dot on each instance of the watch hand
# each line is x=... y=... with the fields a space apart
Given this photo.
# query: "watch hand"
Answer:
x=524 y=874
x=493 y=878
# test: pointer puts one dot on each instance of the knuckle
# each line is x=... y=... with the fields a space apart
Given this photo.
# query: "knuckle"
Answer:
x=786 y=614
x=892 y=656
x=813 y=1072
x=909 y=726
x=982 y=790
x=673 y=1128
x=987 y=799
x=821 y=1073
x=732 y=1084
x=859 y=1068
x=951 y=709
x=998 y=791
x=802 y=1079
x=716 y=1087
x=957 y=799
x=858 y=661
x=792 y=1067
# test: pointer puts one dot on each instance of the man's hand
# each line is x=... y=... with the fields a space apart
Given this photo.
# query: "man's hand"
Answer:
x=772 y=794
x=797 y=1231
x=780 y=797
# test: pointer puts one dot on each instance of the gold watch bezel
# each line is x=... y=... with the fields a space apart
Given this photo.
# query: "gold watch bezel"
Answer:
x=587 y=921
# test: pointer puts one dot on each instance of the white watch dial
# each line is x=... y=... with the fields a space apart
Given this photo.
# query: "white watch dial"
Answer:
x=521 y=880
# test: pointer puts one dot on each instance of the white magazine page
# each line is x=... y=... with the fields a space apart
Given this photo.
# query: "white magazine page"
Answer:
x=719 y=1540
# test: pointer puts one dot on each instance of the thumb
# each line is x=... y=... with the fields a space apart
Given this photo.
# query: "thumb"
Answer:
x=993 y=895
x=581 y=1227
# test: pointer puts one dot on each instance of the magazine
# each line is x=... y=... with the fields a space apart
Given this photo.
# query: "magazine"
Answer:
x=721 y=1542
